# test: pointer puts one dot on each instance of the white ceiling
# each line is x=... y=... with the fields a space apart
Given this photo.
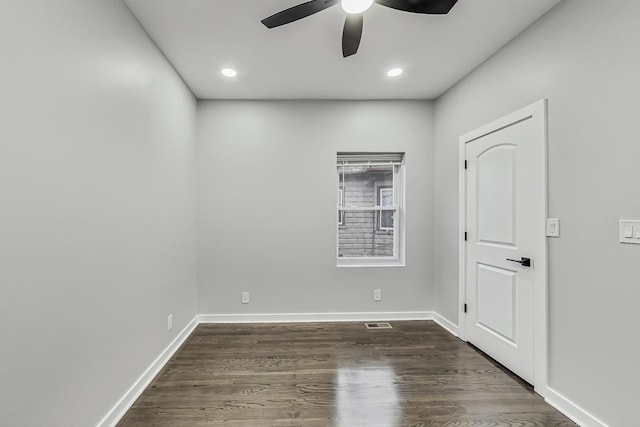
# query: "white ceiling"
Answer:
x=303 y=60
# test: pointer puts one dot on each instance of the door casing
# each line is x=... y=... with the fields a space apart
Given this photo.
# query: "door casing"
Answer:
x=536 y=112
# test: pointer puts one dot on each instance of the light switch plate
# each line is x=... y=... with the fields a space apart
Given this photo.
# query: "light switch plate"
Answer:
x=553 y=227
x=629 y=231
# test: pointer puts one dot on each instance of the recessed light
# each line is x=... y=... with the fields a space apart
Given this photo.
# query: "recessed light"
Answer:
x=356 y=6
x=394 y=72
x=229 y=72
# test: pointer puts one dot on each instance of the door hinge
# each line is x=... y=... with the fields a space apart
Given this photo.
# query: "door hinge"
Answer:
x=465 y=164
x=465 y=236
x=465 y=308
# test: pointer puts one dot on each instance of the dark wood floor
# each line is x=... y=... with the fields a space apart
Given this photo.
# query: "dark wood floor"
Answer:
x=335 y=374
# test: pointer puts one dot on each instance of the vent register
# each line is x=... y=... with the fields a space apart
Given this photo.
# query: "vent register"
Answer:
x=384 y=325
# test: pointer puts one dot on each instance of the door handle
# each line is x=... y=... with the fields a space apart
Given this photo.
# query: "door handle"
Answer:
x=525 y=262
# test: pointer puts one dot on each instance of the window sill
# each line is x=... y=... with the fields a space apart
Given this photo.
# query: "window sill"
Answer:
x=369 y=262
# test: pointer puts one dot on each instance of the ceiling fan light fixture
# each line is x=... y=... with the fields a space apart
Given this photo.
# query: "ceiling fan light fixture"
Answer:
x=395 y=72
x=355 y=7
x=353 y=24
x=229 y=72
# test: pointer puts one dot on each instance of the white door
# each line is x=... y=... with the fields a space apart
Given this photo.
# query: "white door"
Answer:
x=505 y=212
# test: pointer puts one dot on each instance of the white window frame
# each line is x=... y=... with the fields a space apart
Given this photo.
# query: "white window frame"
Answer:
x=399 y=226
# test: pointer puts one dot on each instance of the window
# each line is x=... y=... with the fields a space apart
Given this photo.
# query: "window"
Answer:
x=370 y=209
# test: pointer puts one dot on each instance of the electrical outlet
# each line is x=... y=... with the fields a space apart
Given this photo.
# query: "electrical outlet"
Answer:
x=377 y=295
x=245 y=297
x=170 y=322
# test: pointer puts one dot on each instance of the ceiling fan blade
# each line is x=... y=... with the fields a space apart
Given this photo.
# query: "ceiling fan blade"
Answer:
x=351 y=34
x=435 y=7
x=297 y=12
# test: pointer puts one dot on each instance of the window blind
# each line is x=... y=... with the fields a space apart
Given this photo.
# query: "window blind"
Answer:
x=369 y=158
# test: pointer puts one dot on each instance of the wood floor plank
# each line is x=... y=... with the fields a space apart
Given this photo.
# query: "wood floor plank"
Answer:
x=335 y=374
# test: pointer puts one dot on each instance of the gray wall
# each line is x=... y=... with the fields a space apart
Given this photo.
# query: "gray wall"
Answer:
x=97 y=217
x=584 y=57
x=267 y=205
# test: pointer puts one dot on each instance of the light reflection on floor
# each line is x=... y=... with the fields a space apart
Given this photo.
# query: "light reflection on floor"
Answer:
x=367 y=396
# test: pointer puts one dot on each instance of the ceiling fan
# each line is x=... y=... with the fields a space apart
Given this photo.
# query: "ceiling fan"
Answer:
x=353 y=24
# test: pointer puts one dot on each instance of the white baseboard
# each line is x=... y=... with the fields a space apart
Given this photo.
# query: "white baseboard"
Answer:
x=126 y=401
x=574 y=412
x=315 y=317
x=451 y=327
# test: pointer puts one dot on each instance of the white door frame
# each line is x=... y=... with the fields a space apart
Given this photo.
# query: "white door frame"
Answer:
x=538 y=113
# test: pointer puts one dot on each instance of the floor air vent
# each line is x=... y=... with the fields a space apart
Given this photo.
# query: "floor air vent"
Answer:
x=384 y=325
